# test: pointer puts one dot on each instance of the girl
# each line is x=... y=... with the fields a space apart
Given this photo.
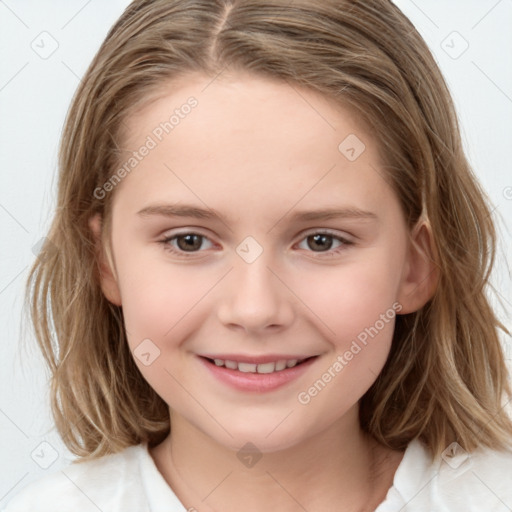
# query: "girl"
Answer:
x=264 y=286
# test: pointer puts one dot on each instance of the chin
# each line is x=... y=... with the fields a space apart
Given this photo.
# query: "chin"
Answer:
x=266 y=436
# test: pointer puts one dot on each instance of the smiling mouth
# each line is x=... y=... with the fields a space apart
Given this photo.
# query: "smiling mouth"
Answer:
x=270 y=367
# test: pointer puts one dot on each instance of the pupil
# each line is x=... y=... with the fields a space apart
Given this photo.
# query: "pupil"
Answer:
x=189 y=244
x=321 y=241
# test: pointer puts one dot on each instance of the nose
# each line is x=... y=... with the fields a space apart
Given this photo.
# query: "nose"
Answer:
x=255 y=298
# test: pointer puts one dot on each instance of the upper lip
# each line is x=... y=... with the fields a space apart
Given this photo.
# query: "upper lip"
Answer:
x=268 y=358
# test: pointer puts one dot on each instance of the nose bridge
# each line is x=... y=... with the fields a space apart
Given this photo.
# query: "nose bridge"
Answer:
x=254 y=297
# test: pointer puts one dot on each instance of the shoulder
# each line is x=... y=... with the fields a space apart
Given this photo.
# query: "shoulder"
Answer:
x=107 y=483
x=481 y=480
x=457 y=481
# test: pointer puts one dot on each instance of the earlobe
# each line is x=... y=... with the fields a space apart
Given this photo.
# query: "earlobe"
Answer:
x=108 y=280
x=421 y=272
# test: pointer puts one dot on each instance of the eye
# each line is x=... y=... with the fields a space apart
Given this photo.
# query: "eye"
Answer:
x=188 y=243
x=184 y=243
x=324 y=240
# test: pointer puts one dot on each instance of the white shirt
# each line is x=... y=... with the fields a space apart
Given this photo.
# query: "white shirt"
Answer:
x=130 y=481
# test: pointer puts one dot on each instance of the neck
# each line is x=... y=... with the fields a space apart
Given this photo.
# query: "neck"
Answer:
x=336 y=469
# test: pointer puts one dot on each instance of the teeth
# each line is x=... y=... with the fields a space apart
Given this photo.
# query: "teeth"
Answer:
x=271 y=367
x=266 y=368
x=247 y=367
x=281 y=365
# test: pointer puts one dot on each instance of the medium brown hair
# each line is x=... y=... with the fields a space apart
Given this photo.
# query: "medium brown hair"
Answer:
x=445 y=377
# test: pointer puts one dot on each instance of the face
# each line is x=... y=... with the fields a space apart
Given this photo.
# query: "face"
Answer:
x=220 y=251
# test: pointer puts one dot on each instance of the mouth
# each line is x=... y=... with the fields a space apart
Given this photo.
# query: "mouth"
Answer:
x=266 y=368
x=258 y=377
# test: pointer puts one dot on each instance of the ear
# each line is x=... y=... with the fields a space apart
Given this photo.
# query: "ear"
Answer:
x=107 y=276
x=421 y=273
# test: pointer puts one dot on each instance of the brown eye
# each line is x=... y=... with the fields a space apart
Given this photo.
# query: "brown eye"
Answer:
x=189 y=242
x=185 y=244
x=322 y=242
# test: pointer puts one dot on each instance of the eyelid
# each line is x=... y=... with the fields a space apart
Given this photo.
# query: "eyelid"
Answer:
x=327 y=231
x=168 y=237
x=192 y=230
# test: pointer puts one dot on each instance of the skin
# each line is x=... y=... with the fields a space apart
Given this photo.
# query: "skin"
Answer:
x=257 y=151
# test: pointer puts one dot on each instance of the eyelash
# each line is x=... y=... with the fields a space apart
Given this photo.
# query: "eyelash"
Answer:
x=330 y=253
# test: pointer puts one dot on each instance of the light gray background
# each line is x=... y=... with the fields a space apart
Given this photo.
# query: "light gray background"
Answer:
x=35 y=92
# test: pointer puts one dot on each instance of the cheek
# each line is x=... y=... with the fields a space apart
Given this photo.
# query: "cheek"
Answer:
x=352 y=297
x=356 y=308
x=360 y=313
x=152 y=296
x=160 y=302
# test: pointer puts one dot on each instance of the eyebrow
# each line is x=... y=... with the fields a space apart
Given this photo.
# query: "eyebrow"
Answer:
x=184 y=210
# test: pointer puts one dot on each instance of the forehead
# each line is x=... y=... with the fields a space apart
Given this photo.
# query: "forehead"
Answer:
x=248 y=140
x=243 y=104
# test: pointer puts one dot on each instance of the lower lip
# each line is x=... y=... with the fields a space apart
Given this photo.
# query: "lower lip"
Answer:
x=257 y=382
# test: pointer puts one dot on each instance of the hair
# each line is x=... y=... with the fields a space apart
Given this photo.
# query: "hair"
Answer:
x=445 y=378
